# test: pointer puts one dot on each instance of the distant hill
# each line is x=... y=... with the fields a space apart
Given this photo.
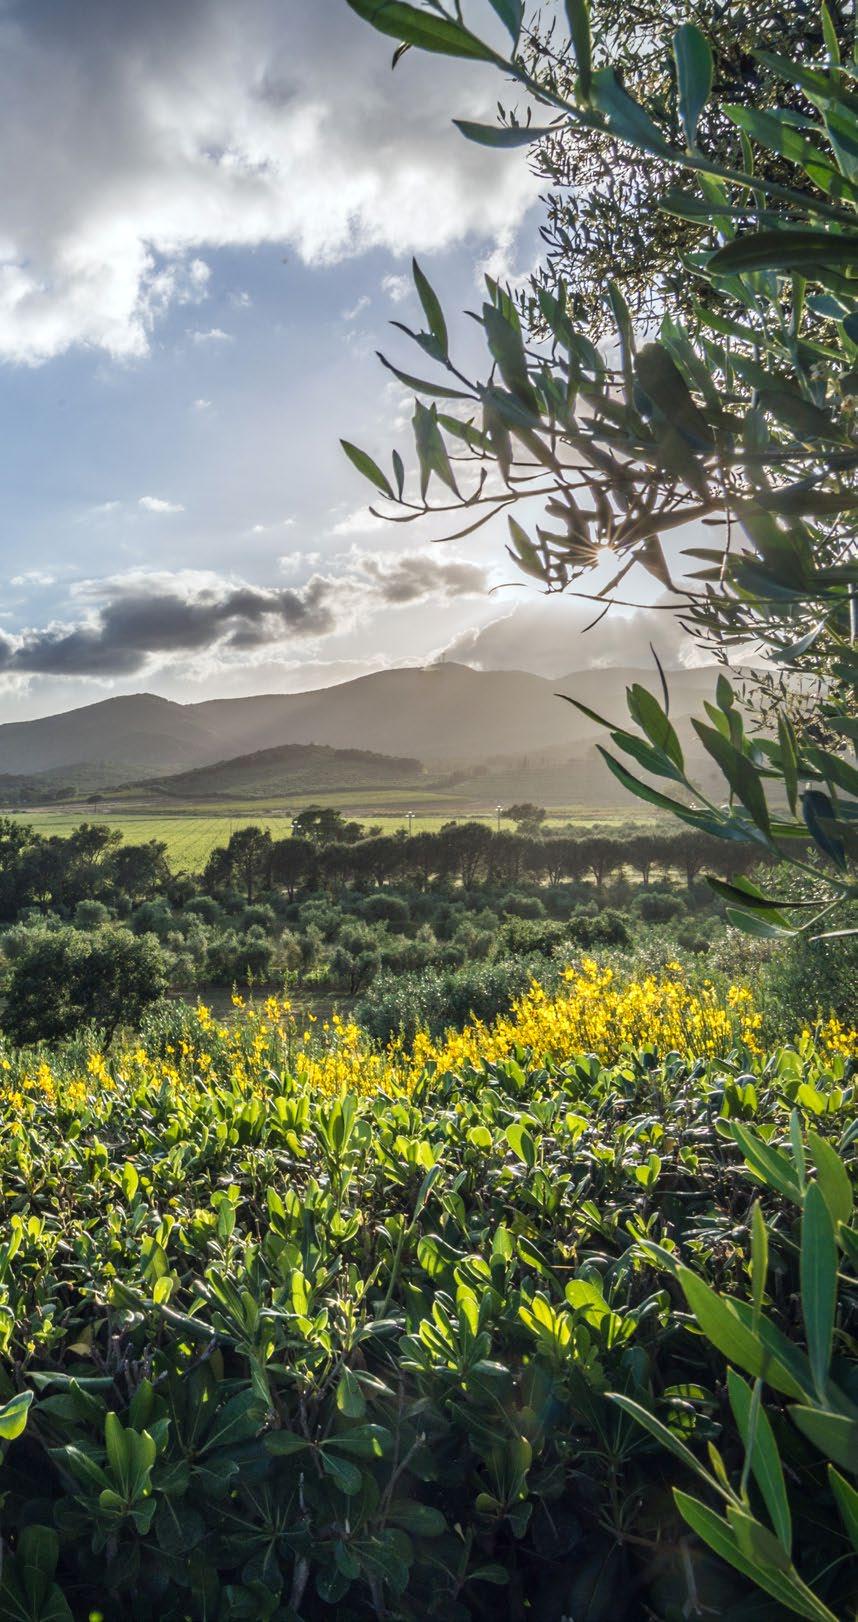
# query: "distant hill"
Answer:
x=292 y=769
x=444 y=715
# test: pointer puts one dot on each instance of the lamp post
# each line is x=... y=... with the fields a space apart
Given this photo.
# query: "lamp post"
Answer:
x=499 y=809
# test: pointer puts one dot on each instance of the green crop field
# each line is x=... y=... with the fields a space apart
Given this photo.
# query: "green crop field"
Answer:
x=190 y=836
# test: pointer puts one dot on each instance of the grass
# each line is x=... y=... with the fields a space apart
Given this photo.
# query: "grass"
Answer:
x=190 y=835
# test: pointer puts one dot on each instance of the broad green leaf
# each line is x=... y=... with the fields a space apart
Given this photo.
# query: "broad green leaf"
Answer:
x=756 y=1541
x=847 y=1503
x=511 y=13
x=421 y=29
x=350 y=1398
x=771 y=1165
x=645 y=709
x=13 y=1415
x=741 y=774
x=818 y=1283
x=662 y=1434
x=834 y=1181
x=765 y=1459
x=343 y=1473
x=784 y=250
x=507 y=348
x=420 y=1520
x=694 y=67
x=500 y=135
x=664 y=385
x=371 y=471
x=285 y=1443
x=431 y=308
x=834 y=1434
x=431 y=450
x=718 y=1534
x=626 y=118
x=723 y=1327
x=755 y=923
x=578 y=18
x=819 y=814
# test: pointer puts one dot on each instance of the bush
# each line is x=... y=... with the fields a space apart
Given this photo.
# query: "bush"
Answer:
x=517 y=905
x=658 y=906
x=805 y=979
x=401 y=1350
x=526 y=937
x=67 y=979
x=387 y=909
x=436 y=999
x=606 y=928
x=203 y=907
x=90 y=915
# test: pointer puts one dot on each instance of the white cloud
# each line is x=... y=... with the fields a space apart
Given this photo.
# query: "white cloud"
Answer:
x=33 y=577
x=397 y=288
x=134 y=138
x=202 y=405
x=357 y=309
x=359 y=522
x=268 y=529
x=214 y=335
x=295 y=562
x=102 y=509
x=155 y=504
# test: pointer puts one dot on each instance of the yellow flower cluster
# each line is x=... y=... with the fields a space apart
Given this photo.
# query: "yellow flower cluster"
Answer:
x=266 y=1049
x=595 y=1014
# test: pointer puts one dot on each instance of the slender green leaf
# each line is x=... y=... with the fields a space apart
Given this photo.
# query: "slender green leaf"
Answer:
x=368 y=468
x=419 y=28
x=834 y=1434
x=431 y=308
x=765 y=1459
x=818 y=1283
x=503 y=136
x=578 y=18
x=694 y=68
x=847 y=1503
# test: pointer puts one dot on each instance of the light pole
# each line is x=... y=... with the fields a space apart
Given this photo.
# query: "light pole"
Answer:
x=499 y=809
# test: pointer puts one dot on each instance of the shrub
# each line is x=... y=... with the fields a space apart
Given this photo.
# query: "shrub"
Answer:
x=606 y=928
x=359 y=1337
x=402 y=1004
x=90 y=915
x=387 y=909
x=658 y=906
x=66 y=979
x=204 y=907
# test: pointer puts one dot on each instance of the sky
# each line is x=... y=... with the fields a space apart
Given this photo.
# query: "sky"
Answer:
x=207 y=223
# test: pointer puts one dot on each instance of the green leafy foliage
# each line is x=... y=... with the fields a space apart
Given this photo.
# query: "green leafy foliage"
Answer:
x=283 y=1351
x=740 y=414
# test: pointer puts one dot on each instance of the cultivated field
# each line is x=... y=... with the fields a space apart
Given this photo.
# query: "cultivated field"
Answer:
x=191 y=835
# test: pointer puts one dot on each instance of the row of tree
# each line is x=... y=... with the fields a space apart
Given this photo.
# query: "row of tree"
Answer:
x=466 y=853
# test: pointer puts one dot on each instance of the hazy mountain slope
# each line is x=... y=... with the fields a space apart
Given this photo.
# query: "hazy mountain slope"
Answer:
x=445 y=713
x=138 y=733
x=293 y=768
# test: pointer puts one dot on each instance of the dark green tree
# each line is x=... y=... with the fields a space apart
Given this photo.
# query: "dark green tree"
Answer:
x=67 y=979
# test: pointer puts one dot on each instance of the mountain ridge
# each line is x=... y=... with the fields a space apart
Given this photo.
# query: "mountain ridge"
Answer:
x=438 y=714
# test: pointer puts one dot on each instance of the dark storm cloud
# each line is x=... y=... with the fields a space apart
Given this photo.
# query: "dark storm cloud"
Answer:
x=140 y=620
